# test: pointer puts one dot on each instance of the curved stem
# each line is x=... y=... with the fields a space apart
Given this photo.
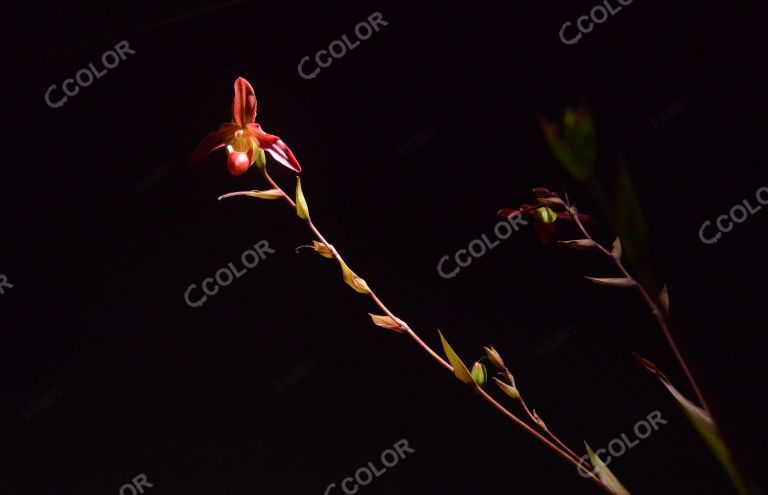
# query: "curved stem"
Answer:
x=561 y=450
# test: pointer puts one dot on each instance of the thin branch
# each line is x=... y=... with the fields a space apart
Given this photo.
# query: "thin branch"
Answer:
x=657 y=312
x=561 y=450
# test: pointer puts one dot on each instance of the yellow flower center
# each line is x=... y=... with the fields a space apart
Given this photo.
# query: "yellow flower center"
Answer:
x=241 y=142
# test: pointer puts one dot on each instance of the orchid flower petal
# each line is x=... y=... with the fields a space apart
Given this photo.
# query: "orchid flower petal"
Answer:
x=507 y=212
x=211 y=142
x=545 y=231
x=275 y=146
x=244 y=103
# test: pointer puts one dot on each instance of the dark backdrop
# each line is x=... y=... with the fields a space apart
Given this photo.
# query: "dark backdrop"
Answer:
x=197 y=399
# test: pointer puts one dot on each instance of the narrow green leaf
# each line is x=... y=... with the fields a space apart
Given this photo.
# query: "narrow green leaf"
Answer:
x=459 y=368
x=629 y=217
x=605 y=474
x=268 y=194
x=704 y=425
x=573 y=164
x=579 y=135
x=301 y=204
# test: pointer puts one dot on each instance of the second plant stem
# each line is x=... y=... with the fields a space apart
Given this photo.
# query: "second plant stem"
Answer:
x=657 y=312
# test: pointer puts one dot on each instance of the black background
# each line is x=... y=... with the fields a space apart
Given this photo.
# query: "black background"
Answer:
x=188 y=396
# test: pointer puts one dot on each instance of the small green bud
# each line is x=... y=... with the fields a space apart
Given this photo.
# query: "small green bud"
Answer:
x=494 y=358
x=479 y=374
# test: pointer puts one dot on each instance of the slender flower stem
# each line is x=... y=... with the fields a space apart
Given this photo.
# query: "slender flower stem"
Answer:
x=657 y=312
x=561 y=450
x=538 y=422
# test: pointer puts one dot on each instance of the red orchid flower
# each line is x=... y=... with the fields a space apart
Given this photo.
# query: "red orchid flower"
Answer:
x=243 y=137
x=549 y=209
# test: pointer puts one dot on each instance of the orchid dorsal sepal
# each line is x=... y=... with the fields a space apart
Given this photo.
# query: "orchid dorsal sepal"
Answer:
x=268 y=194
x=551 y=202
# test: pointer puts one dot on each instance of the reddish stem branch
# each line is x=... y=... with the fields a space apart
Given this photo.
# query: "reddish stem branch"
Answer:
x=540 y=423
x=561 y=450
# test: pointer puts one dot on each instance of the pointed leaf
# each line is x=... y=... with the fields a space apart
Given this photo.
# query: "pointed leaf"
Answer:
x=268 y=194
x=579 y=135
x=704 y=425
x=386 y=322
x=605 y=474
x=353 y=280
x=616 y=250
x=664 y=299
x=575 y=165
x=459 y=368
x=580 y=244
x=629 y=216
x=613 y=282
x=507 y=388
x=301 y=204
